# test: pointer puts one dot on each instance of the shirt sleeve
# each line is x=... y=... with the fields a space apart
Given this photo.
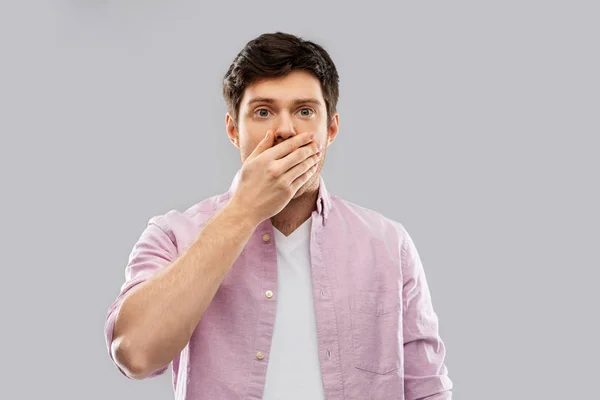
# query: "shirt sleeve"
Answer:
x=153 y=251
x=425 y=374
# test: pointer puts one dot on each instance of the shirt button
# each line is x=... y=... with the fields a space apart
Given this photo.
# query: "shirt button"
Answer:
x=260 y=355
x=268 y=294
x=266 y=237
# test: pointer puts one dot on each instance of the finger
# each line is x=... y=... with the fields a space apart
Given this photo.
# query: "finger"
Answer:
x=286 y=147
x=301 y=168
x=298 y=156
x=309 y=171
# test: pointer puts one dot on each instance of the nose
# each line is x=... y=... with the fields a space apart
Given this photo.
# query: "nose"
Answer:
x=284 y=128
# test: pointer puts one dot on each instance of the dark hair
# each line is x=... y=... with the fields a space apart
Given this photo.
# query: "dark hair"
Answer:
x=272 y=55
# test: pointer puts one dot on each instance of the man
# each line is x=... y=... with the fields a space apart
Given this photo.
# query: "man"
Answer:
x=278 y=289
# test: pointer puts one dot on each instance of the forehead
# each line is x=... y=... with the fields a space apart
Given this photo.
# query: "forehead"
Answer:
x=286 y=89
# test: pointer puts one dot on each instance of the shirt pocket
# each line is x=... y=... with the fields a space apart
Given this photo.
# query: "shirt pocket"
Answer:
x=375 y=330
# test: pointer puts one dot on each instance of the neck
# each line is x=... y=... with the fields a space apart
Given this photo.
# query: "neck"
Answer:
x=296 y=212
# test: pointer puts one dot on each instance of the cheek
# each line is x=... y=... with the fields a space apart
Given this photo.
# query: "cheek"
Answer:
x=322 y=140
x=247 y=146
x=246 y=149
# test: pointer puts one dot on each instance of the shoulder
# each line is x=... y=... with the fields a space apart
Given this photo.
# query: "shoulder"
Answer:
x=369 y=219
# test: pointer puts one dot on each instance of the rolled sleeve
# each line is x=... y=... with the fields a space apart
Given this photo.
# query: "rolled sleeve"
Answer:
x=153 y=251
x=425 y=373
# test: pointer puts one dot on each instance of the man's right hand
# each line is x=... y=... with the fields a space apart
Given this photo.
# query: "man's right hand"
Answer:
x=271 y=175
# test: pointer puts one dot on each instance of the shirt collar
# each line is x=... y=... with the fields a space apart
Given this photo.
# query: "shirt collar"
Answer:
x=323 y=200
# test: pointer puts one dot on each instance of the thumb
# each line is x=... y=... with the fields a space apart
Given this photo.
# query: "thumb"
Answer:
x=263 y=145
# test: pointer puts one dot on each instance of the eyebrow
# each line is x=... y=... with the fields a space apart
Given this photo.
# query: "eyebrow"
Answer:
x=308 y=100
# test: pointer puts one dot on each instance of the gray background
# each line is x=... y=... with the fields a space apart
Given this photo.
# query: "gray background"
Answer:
x=474 y=124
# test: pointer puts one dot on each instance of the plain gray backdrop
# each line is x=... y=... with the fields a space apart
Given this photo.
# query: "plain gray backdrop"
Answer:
x=475 y=124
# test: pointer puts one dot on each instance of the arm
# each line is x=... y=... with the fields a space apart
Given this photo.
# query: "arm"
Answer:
x=165 y=296
x=426 y=375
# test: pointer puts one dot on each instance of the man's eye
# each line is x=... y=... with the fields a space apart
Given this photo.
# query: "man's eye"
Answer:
x=306 y=114
x=263 y=112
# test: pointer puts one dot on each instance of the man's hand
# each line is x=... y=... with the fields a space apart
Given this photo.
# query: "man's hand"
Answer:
x=271 y=175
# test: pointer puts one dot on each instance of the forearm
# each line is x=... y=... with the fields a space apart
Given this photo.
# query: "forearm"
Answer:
x=157 y=318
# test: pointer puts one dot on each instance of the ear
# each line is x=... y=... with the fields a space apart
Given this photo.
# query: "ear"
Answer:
x=232 y=131
x=333 y=128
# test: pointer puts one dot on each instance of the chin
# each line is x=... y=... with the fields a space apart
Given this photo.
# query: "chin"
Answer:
x=302 y=189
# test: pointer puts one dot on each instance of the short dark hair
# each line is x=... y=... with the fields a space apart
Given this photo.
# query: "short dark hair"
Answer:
x=273 y=55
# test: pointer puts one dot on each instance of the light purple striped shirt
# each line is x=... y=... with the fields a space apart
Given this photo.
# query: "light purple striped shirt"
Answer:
x=377 y=331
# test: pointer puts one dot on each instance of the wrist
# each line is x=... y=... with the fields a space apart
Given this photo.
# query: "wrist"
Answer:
x=241 y=214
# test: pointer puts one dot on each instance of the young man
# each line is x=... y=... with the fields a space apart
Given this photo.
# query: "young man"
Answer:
x=277 y=289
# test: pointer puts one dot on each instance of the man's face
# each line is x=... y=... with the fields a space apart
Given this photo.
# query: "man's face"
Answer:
x=289 y=106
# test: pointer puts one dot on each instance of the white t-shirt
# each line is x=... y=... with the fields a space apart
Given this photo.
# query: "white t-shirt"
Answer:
x=294 y=371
